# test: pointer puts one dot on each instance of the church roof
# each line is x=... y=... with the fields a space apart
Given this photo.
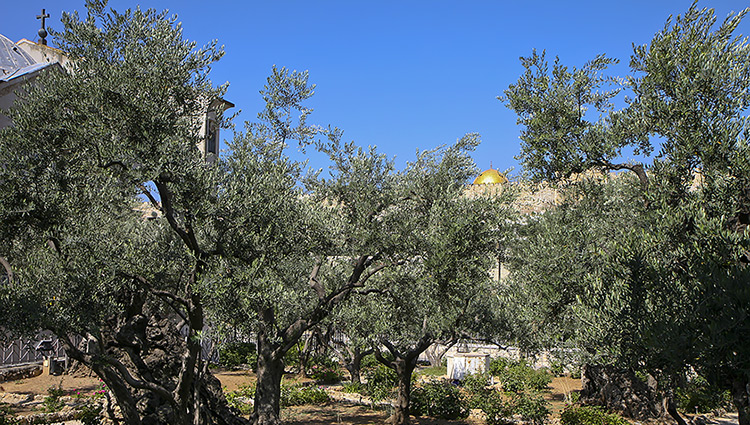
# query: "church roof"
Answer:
x=12 y=58
x=491 y=176
x=28 y=70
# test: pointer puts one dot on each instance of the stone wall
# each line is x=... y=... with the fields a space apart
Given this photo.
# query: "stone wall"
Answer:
x=20 y=372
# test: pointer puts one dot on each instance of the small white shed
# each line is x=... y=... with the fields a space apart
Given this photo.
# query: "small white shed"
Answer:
x=462 y=364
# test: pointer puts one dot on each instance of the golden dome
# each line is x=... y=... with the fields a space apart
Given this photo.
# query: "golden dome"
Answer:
x=491 y=176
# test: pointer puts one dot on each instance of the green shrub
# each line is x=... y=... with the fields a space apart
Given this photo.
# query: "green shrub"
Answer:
x=52 y=402
x=590 y=415
x=477 y=387
x=532 y=407
x=89 y=413
x=518 y=377
x=476 y=383
x=380 y=382
x=7 y=416
x=557 y=368
x=497 y=409
x=434 y=371
x=240 y=399
x=324 y=370
x=699 y=395
x=370 y=362
x=235 y=354
x=498 y=365
x=353 y=388
x=575 y=372
x=292 y=395
x=292 y=357
x=439 y=399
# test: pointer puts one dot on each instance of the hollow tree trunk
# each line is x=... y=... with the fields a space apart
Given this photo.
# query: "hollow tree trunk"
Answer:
x=741 y=399
x=268 y=387
x=404 y=369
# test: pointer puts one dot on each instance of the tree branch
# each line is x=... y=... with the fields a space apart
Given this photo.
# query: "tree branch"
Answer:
x=141 y=385
x=168 y=210
x=8 y=269
x=315 y=283
x=636 y=168
x=150 y=196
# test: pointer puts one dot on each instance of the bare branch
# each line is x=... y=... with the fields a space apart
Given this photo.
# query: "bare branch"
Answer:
x=150 y=196
x=315 y=283
x=636 y=168
x=8 y=269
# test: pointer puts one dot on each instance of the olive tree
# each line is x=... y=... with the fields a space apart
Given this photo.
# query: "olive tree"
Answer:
x=87 y=147
x=675 y=276
x=441 y=289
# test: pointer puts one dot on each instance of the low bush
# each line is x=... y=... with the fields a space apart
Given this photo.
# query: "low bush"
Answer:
x=324 y=370
x=519 y=376
x=353 y=388
x=698 y=395
x=381 y=381
x=299 y=395
x=236 y=354
x=532 y=407
x=370 y=362
x=497 y=408
x=52 y=402
x=477 y=388
x=575 y=372
x=439 y=399
x=90 y=413
x=590 y=415
x=476 y=383
x=434 y=371
x=556 y=368
x=498 y=365
x=7 y=416
x=240 y=399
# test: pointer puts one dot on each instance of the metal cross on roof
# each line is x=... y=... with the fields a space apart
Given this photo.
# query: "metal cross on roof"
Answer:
x=42 y=31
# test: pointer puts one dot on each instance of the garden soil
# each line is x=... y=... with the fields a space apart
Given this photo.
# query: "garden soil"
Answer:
x=332 y=413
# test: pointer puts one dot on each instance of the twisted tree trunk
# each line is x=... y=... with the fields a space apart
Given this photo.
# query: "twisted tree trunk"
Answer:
x=153 y=371
x=741 y=399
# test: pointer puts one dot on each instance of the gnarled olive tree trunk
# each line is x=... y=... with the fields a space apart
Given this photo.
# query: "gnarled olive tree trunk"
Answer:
x=151 y=363
x=741 y=399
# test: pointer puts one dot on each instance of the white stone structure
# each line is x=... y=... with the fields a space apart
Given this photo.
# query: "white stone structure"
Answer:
x=461 y=365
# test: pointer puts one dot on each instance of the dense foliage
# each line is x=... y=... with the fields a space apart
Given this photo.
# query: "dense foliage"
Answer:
x=655 y=275
x=235 y=354
x=439 y=399
x=589 y=415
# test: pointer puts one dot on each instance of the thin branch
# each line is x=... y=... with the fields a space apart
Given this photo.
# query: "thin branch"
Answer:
x=8 y=269
x=168 y=209
x=150 y=196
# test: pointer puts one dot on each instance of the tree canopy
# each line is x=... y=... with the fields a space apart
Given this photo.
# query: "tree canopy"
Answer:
x=658 y=276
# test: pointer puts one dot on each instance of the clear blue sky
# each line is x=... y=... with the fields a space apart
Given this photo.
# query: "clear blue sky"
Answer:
x=402 y=75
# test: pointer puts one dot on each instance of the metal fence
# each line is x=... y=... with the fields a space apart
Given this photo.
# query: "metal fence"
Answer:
x=23 y=350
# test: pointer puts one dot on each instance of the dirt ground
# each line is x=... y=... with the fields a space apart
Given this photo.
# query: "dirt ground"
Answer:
x=354 y=415
x=332 y=413
x=40 y=384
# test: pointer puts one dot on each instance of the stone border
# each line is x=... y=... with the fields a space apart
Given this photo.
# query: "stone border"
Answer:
x=20 y=372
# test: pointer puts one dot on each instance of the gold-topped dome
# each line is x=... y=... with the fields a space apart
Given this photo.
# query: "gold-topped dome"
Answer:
x=491 y=176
